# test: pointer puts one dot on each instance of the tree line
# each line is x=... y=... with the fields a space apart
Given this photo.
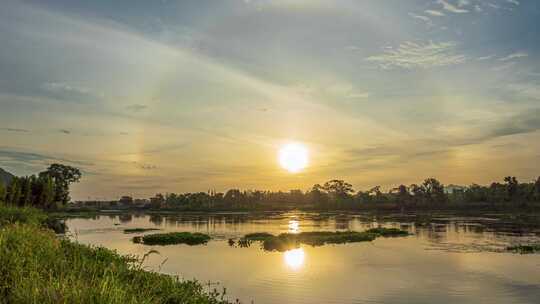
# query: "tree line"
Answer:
x=47 y=190
x=338 y=194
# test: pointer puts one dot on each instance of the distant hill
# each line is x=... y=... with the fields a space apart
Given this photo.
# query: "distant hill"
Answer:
x=5 y=177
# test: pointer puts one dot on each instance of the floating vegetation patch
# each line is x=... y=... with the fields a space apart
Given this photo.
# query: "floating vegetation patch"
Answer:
x=387 y=232
x=288 y=241
x=258 y=236
x=139 y=230
x=524 y=249
x=173 y=238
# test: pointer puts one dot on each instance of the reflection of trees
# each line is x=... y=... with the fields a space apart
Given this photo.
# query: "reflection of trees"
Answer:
x=125 y=218
x=156 y=219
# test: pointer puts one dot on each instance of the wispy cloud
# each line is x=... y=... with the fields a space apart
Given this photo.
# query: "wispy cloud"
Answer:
x=434 y=13
x=411 y=55
x=64 y=87
x=15 y=130
x=514 y=56
x=452 y=8
x=136 y=107
x=64 y=90
x=515 y=2
x=421 y=17
x=485 y=57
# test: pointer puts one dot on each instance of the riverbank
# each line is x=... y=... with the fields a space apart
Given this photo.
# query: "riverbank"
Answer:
x=36 y=266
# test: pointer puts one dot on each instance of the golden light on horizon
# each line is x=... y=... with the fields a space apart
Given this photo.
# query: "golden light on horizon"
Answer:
x=293 y=157
x=294 y=258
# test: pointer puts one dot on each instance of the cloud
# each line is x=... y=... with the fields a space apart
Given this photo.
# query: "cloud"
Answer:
x=410 y=55
x=31 y=162
x=451 y=8
x=514 y=56
x=485 y=57
x=421 y=17
x=525 y=122
x=434 y=13
x=136 y=107
x=515 y=2
x=15 y=130
x=462 y=3
x=71 y=92
x=145 y=166
x=62 y=86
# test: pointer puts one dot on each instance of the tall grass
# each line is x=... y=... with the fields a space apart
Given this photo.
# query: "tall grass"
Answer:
x=38 y=267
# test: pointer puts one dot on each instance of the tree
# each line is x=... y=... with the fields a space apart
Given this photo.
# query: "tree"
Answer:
x=14 y=192
x=3 y=192
x=536 y=189
x=45 y=192
x=434 y=191
x=511 y=186
x=63 y=176
x=126 y=200
x=157 y=201
x=338 y=188
x=402 y=195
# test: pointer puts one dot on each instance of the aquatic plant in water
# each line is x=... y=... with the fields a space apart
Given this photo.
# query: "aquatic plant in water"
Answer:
x=173 y=238
x=287 y=241
x=524 y=249
x=139 y=230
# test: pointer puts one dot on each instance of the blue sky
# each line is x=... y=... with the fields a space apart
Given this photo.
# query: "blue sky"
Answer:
x=149 y=96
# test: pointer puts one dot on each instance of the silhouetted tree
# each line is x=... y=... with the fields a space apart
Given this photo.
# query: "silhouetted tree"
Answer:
x=63 y=176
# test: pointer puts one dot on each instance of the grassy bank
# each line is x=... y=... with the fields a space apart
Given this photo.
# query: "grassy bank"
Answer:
x=38 y=267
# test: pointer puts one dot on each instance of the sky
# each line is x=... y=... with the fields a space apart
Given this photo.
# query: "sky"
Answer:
x=185 y=96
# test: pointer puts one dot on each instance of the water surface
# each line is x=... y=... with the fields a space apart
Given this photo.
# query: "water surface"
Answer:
x=446 y=260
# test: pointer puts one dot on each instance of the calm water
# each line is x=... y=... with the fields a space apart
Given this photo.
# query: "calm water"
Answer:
x=449 y=260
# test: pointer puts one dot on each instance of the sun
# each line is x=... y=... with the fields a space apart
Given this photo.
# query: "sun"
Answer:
x=293 y=157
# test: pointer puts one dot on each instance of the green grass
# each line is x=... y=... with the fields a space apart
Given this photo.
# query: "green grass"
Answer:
x=139 y=230
x=12 y=215
x=524 y=249
x=287 y=241
x=38 y=267
x=172 y=238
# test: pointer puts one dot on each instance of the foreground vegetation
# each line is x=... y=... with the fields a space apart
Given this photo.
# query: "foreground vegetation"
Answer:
x=288 y=241
x=38 y=267
x=173 y=238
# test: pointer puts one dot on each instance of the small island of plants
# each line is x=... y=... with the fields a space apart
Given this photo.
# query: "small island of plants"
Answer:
x=524 y=249
x=287 y=241
x=173 y=238
x=139 y=230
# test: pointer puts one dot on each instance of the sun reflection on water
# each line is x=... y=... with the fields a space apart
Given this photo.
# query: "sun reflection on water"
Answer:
x=294 y=258
x=294 y=226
